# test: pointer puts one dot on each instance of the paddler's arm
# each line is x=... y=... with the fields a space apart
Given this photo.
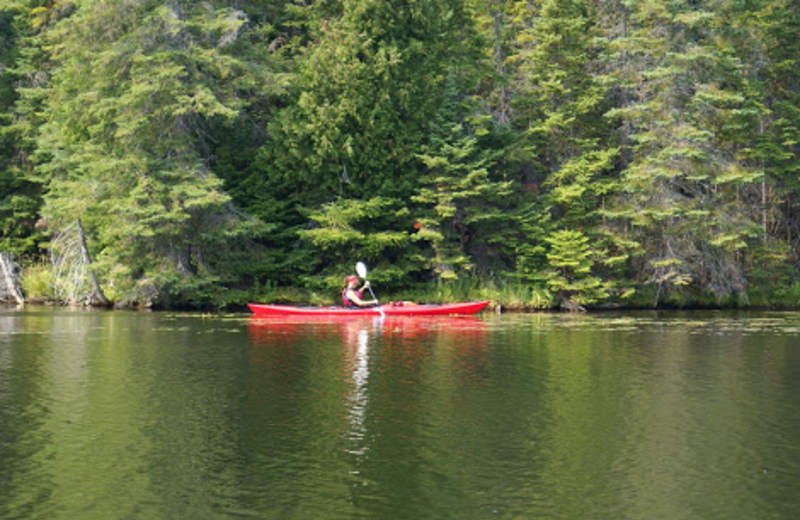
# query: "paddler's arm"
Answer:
x=353 y=297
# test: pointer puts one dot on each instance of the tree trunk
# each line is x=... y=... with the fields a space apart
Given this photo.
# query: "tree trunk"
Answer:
x=499 y=63
x=97 y=292
x=764 y=224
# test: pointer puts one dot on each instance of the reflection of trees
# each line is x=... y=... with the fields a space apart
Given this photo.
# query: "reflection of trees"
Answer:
x=79 y=426
x=583 y=422
x=696 y=440
x=156 y=416
x=656 y=424
x=116 y=415
x=418 y=460
x=23 y=437
x=379 y=401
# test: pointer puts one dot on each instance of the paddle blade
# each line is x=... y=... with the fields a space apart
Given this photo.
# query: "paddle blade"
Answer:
x=361 y=269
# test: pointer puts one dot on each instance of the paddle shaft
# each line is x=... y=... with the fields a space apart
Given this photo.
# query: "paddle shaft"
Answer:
x=373 y=294
x=361 y=269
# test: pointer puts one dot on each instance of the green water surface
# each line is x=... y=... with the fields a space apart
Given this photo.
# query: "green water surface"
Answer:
x=123 y=415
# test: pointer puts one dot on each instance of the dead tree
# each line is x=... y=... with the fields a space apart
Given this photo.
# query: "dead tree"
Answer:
x=72 y=265
x=9 y=279
x=97 y=292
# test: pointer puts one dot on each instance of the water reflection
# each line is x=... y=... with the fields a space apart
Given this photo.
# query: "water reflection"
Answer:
x=124 y=415
x=110 y=415
x=356 y=357
x=384 y=420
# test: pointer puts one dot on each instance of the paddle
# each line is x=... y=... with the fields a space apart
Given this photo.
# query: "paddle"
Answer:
x=361 y=269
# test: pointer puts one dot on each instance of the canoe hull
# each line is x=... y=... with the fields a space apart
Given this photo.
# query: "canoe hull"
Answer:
x=384 y=310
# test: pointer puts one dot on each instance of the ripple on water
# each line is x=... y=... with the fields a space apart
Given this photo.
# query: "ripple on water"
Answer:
x=646 y=415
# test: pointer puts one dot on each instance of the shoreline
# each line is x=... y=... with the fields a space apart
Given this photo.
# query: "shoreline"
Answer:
x=494 y=307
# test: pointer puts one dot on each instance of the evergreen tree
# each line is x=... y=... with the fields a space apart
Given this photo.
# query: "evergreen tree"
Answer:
x=347 y=230
x=570 y=275
x=758 y=122
x=136 y=86
x=563 y=138
x=678 y=196
x=20 y=194
x=494 y=87
x=560 y=99
x=365 y=93
x=458 y=196
x=779 y=24
x=366 y=84
x=176 y=150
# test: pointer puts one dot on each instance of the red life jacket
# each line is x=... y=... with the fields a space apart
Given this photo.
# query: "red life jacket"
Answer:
x=346 y=300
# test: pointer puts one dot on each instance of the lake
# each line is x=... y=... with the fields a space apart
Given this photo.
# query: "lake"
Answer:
x=154 y=415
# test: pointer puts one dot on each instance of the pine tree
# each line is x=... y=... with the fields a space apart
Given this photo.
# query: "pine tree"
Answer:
x=365 y=91
x=569 y=277
x=678 y=199
x=459 y=198
x=135 y=88
x=759 y=124
x=20 y=194
x=349 y=230
x=563 y=138
x=560 y=99
x=367 y=80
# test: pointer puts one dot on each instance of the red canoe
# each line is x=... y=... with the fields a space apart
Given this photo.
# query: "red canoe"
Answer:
x=383 y=310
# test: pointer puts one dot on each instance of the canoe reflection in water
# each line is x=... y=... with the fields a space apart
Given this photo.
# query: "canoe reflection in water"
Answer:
x=359 y=367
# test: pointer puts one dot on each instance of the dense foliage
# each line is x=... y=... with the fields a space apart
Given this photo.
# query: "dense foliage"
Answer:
x=595 y=151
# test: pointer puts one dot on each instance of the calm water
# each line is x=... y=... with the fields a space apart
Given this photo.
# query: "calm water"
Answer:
x=114 y=415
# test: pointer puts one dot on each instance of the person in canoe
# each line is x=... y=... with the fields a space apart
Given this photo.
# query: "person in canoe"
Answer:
x=351 y=295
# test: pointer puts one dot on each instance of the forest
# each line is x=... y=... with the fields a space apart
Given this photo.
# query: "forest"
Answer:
x=541 y=153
